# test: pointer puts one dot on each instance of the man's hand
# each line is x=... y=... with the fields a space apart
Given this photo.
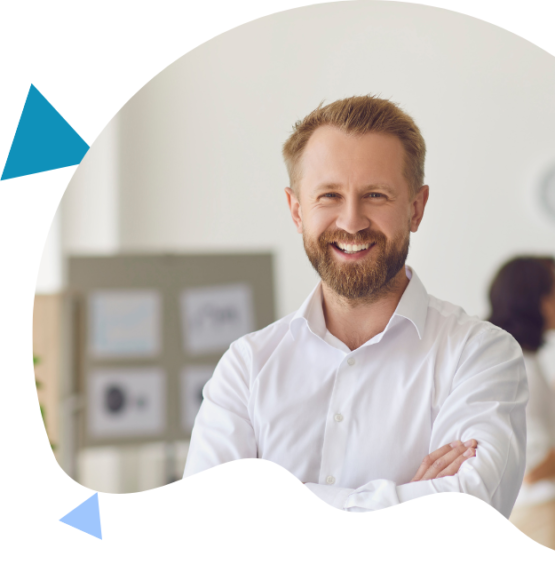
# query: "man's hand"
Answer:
x=445 y=461
x=545 y=470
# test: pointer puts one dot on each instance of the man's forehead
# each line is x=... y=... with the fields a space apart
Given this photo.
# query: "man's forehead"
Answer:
x=332 y=150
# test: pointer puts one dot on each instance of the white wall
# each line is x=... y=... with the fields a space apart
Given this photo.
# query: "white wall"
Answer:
x=200 y=144
x=90 y=206
x=87 y=220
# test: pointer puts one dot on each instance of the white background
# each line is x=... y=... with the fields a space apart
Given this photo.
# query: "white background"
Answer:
x=88 y=59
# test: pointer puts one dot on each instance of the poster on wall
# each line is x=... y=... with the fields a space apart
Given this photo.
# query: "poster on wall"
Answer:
x=193 y=379
x=126 y=402
x=124 y=323
x=214 y=316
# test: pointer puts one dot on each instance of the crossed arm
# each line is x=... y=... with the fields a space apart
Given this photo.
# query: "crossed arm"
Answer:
x=445 y=461
x=433 y=476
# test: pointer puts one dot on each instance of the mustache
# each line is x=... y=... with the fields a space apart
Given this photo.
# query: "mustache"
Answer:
x=361 y=237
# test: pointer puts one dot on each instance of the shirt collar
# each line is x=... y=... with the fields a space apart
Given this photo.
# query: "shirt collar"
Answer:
x=413 y=306
x=311 y=313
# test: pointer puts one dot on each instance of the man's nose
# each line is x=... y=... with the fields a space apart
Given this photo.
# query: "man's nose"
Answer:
x=352 y=218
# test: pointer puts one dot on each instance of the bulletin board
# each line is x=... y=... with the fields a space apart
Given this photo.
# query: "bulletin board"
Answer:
x=147 y=332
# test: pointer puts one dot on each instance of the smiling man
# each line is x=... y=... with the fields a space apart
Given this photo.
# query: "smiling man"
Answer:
x=373 y=392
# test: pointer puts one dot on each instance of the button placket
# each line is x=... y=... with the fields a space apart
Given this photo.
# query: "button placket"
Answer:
x=336 y=429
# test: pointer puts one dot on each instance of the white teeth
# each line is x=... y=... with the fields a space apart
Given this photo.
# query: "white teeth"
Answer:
x=348 y=248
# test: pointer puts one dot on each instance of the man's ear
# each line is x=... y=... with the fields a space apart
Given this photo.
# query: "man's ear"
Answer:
x=417 y=207
x=295 y=209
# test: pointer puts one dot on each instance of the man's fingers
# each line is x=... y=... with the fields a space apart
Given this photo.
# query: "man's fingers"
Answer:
x=436 y=462
x=472 y=443
x=429 y=460
x=454 y=467
x=421 y=471
x=444 y=461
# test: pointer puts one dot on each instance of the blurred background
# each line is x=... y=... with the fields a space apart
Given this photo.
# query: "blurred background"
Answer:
x=174 y=238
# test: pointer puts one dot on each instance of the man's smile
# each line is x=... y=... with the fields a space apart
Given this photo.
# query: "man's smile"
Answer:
x=352 y=250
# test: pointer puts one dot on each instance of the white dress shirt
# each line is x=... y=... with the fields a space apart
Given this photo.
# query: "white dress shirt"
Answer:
x=540 y=423
x=356 y=425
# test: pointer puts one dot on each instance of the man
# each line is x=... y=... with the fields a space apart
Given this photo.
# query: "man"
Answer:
x=373 y=392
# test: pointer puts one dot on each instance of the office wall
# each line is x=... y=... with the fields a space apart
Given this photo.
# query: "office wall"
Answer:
x=90 y=211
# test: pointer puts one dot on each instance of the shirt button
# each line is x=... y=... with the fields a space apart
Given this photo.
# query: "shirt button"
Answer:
x=338 y=417
x=330 y=480
x=351 y=361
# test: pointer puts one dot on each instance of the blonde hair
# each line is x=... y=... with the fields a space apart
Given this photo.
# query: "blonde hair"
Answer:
x=359 y=115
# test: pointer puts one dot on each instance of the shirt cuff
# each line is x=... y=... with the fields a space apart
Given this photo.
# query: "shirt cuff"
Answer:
x=376 y=494
x=413 y=490
x=335 y=496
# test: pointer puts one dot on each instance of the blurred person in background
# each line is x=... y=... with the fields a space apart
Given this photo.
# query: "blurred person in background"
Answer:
x=522 y=297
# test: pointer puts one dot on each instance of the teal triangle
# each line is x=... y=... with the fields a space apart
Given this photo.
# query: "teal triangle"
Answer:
x=85 y=517
x=44 y=140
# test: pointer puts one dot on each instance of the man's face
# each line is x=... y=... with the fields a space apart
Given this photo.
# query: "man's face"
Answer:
x=355 y=210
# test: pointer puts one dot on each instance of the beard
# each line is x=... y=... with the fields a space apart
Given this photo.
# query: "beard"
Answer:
x=364 y=280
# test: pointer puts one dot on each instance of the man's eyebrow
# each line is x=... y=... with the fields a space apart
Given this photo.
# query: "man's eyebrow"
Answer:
x=380 y=188
x=369 y=188
x=327 y=186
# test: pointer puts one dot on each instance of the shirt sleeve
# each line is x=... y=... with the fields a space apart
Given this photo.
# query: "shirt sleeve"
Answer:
x=223 y=430
x=487 y=402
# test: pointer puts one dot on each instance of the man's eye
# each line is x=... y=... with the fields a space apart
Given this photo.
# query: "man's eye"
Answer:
x=376 y=195
x=330 y=195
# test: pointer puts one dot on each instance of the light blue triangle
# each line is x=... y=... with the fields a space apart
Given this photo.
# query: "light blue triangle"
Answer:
x=85 y=517
x=43 y=141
